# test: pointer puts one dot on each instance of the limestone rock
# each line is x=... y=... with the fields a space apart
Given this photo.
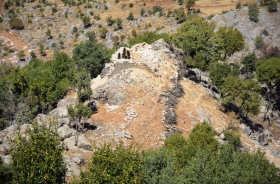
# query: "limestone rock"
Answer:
x=65 y=132
x=83 y=143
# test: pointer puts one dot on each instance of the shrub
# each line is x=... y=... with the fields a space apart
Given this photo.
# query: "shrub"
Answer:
x=130 y=16
x=121 y=165
x=148 y=37
x=86 y=21
x=158 y=9
x=272 y=6
x=249 y=62
x=102 y=32
x=133 y=33
x=265 y=32
x=259 y=42
x=90 y=56
x=6 y=173
x=110 y=21
x=130 y=5
x=238 y=5
x=142 y=12
x=253 y=12
x=16 y=23
x=38 y=159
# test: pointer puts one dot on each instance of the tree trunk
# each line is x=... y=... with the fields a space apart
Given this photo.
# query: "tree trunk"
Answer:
x=76 y=136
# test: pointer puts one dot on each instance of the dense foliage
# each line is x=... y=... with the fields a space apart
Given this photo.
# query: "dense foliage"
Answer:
x=199 y=159
x=121 y=165
x=90 y=56
x=268 y=72
x=34 y=89
x=38 y=157
x=6 y=173
x=201 y=45
x=253 y=12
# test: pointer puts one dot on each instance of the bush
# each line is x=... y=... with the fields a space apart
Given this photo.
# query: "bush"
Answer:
x=86 y=21
x=238 y=5
x=259 y=42
x=121 y=165
x=110 y=21
x=219 y=71
x=272 y=6
x=102 y=32
x=142 y=12
x=158 y=9
x=38 y=159
x=90 y=56
x=6 y=173
x=130 y=16
x=16 y=23
x=148 y=37
x=249 y=62
x=196 y=38
x=253 y=12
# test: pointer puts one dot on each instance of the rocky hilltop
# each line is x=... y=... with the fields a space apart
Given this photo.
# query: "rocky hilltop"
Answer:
x=142 y=96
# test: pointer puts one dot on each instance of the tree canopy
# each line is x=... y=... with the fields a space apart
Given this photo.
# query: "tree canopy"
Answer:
x=91 y=56
x=38 y=159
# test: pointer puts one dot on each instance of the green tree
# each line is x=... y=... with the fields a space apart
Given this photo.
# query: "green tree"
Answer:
x=230 y=40
x=180 y=2
x=142 y=12
x=119 y=23
x=268 y=72
x=130 y=16
x=21 y=54
x=253 y=12
x=243 y=94
x=6 y=173
x=219 y=71
x=103 y=31
x=272 y=6
x=189 y=3
x=259 y=42
x=196 y=38
x=16 y=23
x=49 y=33
x=91 y=56
x=79 y=111
x=91 y=36
x=37 y=158
x=249 y=62
x=110 y=21
x=119 y=165
x=42 y=49
x=238 y=6
x=180 y=15
x=86 y=21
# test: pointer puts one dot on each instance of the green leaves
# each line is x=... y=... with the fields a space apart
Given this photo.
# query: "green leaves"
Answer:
x=90 y=56
x=243 y=94
x=121 y=165
x=38 y=159
x=199 y=159
x=230 y=40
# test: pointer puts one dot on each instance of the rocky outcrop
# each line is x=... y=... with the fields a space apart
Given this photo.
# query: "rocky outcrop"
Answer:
x=250 y=30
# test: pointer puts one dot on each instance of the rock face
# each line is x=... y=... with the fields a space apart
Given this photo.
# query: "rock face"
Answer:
x=250 y=30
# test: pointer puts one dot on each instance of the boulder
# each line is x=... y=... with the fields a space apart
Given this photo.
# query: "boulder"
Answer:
x=65 y=132
x=83 y=143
